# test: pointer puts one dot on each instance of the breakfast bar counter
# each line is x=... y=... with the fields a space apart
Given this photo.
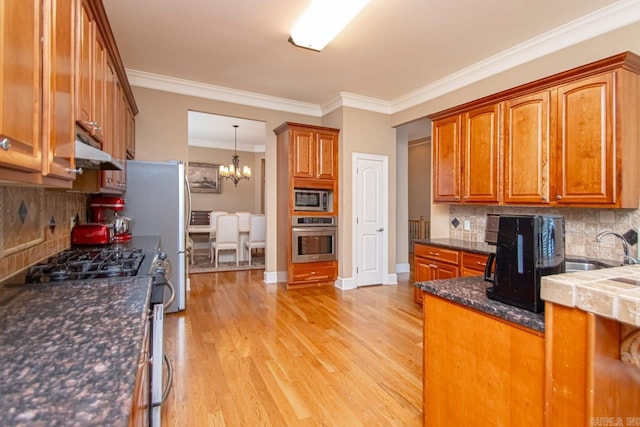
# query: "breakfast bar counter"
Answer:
x=470 y=292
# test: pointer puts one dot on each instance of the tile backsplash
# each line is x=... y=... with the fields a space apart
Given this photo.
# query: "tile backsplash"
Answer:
x=581 y=227
x=35 y=223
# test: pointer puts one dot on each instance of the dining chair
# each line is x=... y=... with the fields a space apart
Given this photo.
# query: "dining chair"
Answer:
x=243 y=221
x=226 y=236
x=257 y=234
x=212 y=229
x=190 y=250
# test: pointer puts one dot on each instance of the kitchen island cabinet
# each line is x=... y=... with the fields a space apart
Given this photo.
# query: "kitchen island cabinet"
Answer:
x=483 y=360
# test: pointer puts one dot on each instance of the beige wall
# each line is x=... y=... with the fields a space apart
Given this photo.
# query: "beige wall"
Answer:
x=245 y=197
x=370 y=133
x=161 y=134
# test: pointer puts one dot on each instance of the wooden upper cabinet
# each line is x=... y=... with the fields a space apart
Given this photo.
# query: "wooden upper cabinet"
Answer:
x=480 y=155
x=326 y=146
x=527 y=151
x=100 y=87
x=91 y=69
x=446 y=159
x=465 y=157
x=58 y=125
x=571 y=139
x=314 y=154
x=586 y=146
x=20 y=85
x=303 y=153
x=84 y=60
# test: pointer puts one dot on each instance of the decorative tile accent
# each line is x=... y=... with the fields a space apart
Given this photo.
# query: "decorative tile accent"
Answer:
x=22 y=212
x=52 y=224
x=22 y=245
x=455 y=222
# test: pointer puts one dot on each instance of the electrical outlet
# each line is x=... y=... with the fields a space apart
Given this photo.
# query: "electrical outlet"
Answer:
x=467 y=225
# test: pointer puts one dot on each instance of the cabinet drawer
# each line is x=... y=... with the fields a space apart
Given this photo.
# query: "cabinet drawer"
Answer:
x=434 y=252
x=313 y=272
x=474 y=261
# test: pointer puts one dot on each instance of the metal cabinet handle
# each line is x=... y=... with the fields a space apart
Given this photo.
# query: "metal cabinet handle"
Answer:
x=558 y=197
x=95 y=125
x=543 y=197
x=109 y=180
x=466 y=197
x=122 y=185
x=5 y=144
x=434 y=253
x=380 y=229
x=457 y=197
x=79 y=171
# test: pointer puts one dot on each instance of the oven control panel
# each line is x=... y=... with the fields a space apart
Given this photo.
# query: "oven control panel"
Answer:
x=300 y=221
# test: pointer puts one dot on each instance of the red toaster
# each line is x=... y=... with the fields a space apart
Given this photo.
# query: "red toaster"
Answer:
x=91 y=234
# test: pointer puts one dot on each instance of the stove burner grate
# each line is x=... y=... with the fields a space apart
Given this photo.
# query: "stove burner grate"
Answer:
x=87 y=263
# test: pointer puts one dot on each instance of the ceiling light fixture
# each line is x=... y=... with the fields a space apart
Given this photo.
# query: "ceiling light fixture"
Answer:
x=233 y=171
x=322 y=21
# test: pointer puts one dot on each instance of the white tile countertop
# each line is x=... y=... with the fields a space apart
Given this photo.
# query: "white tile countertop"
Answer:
x=609 y=292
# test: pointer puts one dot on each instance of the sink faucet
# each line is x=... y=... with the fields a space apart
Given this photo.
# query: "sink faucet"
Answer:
x=628 y=259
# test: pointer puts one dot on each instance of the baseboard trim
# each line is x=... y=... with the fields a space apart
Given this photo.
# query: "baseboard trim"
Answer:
x=391 y=279
x=345 y=283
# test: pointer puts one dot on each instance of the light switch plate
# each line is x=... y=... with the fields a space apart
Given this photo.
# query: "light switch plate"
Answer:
x=466 y=225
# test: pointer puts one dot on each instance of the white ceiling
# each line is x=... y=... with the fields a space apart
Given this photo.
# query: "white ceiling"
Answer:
x=392 y=49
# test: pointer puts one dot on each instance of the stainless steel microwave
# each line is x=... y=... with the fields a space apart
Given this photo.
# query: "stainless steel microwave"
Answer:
x=311 y=200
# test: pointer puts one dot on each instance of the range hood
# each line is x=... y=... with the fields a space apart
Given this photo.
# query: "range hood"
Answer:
x=90 y=157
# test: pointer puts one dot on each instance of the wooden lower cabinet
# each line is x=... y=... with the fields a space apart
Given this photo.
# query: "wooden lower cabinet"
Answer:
x=434 y=262
x=480 y=370
x=473 y=264
x=141 y=393
x=586 y=383
x=312 y=274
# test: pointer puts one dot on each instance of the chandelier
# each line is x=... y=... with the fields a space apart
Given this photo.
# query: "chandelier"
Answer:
x=233 y=172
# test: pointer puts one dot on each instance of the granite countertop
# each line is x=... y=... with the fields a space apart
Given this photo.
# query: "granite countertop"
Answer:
x=70 y=350
x=471 y=292
x=457 y=245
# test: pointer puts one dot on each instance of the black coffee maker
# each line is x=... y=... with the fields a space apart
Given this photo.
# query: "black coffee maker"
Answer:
x=527 y=248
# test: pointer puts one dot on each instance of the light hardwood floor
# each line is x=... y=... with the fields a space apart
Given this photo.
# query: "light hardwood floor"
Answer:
x=250 y=354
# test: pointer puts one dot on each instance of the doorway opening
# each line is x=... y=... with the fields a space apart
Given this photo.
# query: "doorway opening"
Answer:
x=213 y=140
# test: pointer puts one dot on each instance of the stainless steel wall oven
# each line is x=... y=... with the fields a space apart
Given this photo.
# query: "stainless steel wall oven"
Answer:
x=314 y=239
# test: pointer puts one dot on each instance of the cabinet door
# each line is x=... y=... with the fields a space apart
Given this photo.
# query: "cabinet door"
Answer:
x=480 y=155
x=20 y=85
x=325 y=152
x=131 y=134
x=586 y=172
x=445 y=271
x=303 y=153
x=446 y=160
x=100 y=87
x=111 y=122
x=527 y=149
x=423 y=272
x=84 y=79
x=58 y=125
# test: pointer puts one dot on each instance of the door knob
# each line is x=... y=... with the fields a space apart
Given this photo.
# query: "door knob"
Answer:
x=380 y=229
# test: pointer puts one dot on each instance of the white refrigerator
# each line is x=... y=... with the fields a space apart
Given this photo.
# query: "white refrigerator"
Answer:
x=157 y=200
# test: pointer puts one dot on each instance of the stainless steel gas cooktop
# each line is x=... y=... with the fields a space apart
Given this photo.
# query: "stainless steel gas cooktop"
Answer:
x=87 y=263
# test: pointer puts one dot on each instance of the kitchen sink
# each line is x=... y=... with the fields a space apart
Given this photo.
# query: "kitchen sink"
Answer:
x=571 y=266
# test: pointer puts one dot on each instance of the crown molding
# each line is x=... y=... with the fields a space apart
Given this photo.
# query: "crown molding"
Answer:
x=609 y=18
x=601 y=21
x=219 y=93
x=347 y=99
x=201 y=142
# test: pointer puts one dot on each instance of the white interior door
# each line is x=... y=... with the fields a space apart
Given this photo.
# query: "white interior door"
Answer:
x=371 y=200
